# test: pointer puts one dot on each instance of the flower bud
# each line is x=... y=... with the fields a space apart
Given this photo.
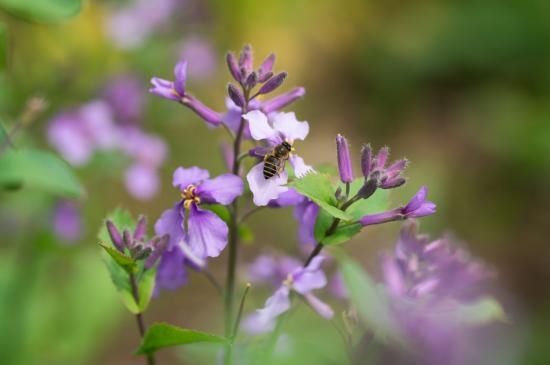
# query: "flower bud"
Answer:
x=246 y=60
x=233 y=66
x=366 y=160
x=251 y=80
x=273 y=83
x=115 y=236
x=141 y=227
x=344 y=159
x=266 y=67
x=236 y=96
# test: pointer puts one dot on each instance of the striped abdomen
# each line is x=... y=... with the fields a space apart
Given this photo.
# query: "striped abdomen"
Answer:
x=271 y=166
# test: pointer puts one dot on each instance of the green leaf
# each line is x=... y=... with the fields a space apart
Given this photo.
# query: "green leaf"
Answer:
x=371 y=301
x=49 y=11
x=319 y=189
x=483 y=311
x=245 y=233
x=38 y=169
x=146 y=285
x=378 y=202
x=125 y=262
x=161 y=335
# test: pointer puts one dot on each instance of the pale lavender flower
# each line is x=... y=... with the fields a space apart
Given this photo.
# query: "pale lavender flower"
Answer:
x=337 y=286
x=195 y=234
x=344 y=159
x=67 y=221
x=126 y=97
x=176 y=91
x=200 y=56
x=417 y=207
x=302 y=281
x=269 y=269
x=426 y=281
x=284 y=127
x=306 y=214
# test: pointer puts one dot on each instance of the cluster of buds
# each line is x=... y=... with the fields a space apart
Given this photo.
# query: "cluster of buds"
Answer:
x=134 y=245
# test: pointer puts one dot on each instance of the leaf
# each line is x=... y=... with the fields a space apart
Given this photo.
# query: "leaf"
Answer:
x=245 y=233
x=378 y=202
x=319 y=189
x=482 y=311
x=161 y=335
x=49 y=11
x=125 y=262
x=145 y=288
x=372 y=303
x=39 y=169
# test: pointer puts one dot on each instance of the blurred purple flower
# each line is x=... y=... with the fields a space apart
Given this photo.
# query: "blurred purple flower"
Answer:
x=126 y=97
x=306 y=214
x=337 y=287
x=301 y=280
x=426 y=281
x=67 y=221
x=195 y=233
x=285 y=127
x=176 y=91
x=417 y=207
x=200 y=56
x=272 y=270
x=130 y=26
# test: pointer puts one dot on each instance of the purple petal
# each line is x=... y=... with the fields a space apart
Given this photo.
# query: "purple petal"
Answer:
x=210 y=116
x=233 y=66
x=393 y=277
x=67 y=134
x=290 y=127
x=301 y=169
x=366 y=160
x=170 y=223
x=260 y=128
x=183 y=177
x=115 y=236
x=222 y=189
x=267 y=66
x=67 y=221
x=279 y=102
x=141 y=181
x=309 y=278
x=180 y=73
x=381 y=158
x=171 y=272
x=236 y=95
x=427 y=208
x=273 y=83
x=246 y=60
x=306 y=213
x=263 y=320
x=264 y=190
x=289 y=198
x=164 y=89
x=344 y=159
x=417 y=200
x=263 y=270
x=337 y=286
x=207 y=235
x=378 y=218
x=141 y=228
x=319 y=306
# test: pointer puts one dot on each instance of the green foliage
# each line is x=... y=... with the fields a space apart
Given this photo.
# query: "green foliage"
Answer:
x=38 y=169
x=372 y=303
x=482 y=311
x=3 y=54
x=161 y=335
x=319 y=189
x=43 y=11
x=376 y=203
x=121 y=267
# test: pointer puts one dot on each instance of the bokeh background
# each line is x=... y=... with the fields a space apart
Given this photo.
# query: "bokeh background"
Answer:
x=461 y=88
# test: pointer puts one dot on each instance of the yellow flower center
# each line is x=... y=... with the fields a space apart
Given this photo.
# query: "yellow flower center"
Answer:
x=289 y=280
x=189 y=196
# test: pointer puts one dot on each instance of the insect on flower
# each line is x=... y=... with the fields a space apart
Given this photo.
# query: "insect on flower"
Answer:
x=274 y=162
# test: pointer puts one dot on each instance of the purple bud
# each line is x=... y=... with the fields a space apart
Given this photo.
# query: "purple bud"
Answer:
x=282 y=100
x=233 y=66
x=267 y=66
x=251 y=80
x=344 y=159
x=366 y=160
x=393 y=182
x=264 y=78
x=381 y=158
x=246 y=60
x=208 y=115
x=236 y=95
x=180 y=73
x=141 y=228
x=273 y=83
x=418 y=206
x=159 y=246
x=379 y=218
x=115 y=236
x=127 y=239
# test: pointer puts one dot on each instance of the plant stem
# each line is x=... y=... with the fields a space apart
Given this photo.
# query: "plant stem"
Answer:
x=139 y=318
x=233 y=240
x=240 y=313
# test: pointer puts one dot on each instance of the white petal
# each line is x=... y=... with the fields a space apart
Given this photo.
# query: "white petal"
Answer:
x=289 y=126
x=259 y=127
x=264 y=190
x=300 y=167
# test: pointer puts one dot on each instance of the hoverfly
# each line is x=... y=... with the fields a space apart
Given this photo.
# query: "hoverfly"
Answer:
x=274 y=161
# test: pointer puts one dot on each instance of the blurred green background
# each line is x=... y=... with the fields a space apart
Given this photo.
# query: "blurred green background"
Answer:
x=461 y=88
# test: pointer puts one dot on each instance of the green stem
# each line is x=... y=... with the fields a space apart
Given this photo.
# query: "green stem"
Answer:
x=233 y=241
x=139 y=317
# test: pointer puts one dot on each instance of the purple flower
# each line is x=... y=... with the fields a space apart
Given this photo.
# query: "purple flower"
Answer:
x=306 y=214
x=417 y=207
x=425 y=281
x=67 y=221
x=126 y=97
x=271 y=269
x=200 y=56
x=134 y=244
x=344 y=159
x=375 y=168
x=301 y=280
x=279 y=102
x=285 y=128
x=175 y=90
x=196 y=233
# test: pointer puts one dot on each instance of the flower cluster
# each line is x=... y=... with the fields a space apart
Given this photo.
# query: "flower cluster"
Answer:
x=111 y=124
